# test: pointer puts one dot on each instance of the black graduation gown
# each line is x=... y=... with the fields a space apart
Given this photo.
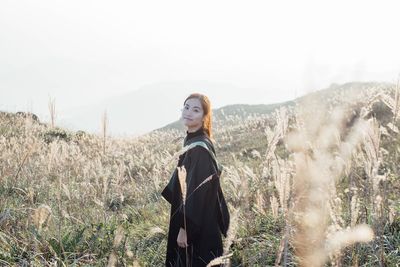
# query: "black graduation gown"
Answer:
x=206 y=213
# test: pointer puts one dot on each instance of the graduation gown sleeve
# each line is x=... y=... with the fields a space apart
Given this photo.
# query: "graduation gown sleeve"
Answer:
x=201 y=195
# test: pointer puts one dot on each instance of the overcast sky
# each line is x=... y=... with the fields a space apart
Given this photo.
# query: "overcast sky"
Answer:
x=82 y=52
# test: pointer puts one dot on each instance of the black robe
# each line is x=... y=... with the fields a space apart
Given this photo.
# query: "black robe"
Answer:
x=206 y=213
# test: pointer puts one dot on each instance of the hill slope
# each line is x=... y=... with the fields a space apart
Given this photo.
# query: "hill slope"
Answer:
x=80 y=199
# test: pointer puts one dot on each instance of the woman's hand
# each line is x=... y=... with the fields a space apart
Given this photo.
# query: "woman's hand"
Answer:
x=182 y=238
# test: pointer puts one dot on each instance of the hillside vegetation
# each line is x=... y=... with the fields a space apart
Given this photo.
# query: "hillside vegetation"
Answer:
x=313 y=182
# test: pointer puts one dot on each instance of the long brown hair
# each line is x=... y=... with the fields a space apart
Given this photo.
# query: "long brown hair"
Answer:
x=206 y=105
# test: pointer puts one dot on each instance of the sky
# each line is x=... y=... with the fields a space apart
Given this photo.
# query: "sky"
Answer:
x=81 y=53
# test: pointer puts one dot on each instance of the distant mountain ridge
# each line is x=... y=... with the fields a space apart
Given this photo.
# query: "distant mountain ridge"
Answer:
x=244 y=110
x=239 y=110
x=134 y=109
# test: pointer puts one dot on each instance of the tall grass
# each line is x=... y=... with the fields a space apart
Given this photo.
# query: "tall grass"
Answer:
x=309 y=185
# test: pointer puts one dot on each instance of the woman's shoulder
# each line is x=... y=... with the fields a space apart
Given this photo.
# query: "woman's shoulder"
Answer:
x=198 y=150
x=202 y=154
x=201 y=142
x=201 y=138
x=199 y=154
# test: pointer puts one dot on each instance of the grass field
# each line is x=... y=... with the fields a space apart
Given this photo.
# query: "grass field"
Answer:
x=314 y=184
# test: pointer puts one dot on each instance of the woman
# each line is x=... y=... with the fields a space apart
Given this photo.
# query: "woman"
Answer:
x=200 y=215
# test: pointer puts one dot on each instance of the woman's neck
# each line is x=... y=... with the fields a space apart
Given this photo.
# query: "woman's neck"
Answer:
x=190 y=135
x=192 y=130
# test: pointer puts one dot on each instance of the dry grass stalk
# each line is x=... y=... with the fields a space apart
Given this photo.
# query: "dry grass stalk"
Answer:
x=209 y=178
x=396 y=100
x=282 y=175
x=355 y=208
x=233 y=226
x=118 y=236
x=112 y=260
x=220 y=260
x=41 y=216
x=104 y=125
x=314 y=183
x=340 y=239
x=260 y=203
x=274 y=206
x=52 y=110
x=277 y=134
x=182 y=182
x=393 y=103
x=32 y=148
x=373 y=161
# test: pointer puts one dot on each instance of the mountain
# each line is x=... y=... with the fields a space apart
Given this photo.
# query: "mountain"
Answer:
x=243 y=111
x=240 y=111
x=156 y=105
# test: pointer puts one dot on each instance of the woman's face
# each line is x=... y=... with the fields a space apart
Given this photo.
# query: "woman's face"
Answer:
x=192 y=114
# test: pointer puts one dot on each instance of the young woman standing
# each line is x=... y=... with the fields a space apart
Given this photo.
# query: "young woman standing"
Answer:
x=200 y=215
